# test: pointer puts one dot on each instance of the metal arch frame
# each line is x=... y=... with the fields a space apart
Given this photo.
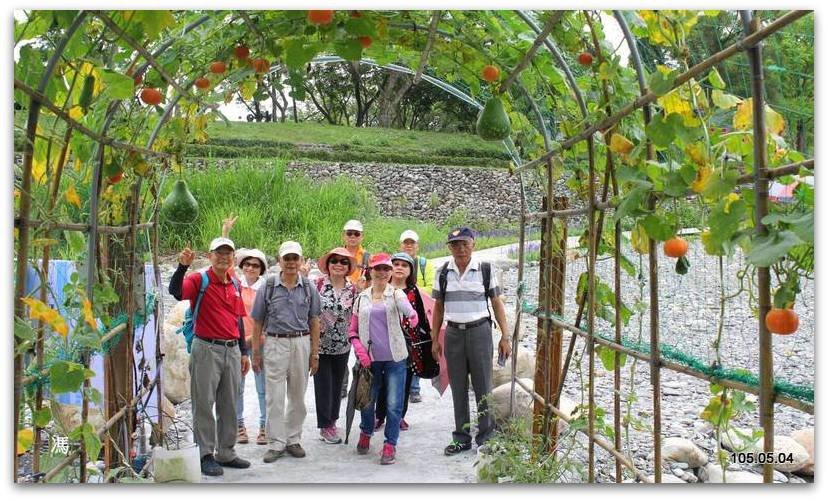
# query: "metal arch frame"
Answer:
x=760 y=176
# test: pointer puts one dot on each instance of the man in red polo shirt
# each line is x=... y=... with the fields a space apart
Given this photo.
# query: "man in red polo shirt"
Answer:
x=219 y=355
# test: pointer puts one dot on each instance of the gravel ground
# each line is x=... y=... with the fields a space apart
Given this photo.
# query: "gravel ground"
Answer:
x=688 y=314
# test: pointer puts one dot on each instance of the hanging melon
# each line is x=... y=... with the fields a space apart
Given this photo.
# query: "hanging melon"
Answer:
x=493 y=122
x=180 y=207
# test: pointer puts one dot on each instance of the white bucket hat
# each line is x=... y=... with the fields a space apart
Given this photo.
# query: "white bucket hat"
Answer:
x=243 y=254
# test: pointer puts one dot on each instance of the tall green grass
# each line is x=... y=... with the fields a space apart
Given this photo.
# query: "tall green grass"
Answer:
x=273 y=207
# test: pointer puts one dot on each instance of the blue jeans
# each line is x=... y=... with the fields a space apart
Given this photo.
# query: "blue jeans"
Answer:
x=415 y=385
x=260 y=389
x=389 y=377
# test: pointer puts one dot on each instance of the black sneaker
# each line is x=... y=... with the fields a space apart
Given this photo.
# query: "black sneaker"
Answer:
x=236 y=462
x=456 y=448
x=210 y=467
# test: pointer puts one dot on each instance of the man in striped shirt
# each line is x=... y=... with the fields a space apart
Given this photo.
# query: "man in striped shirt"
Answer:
x=461 y=299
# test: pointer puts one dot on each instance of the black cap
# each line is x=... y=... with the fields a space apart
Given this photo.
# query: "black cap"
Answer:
x=461 y=233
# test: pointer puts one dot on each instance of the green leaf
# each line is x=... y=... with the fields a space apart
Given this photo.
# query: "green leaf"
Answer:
x=631 y=203
x=66 y=377
x=94 y=395
x=76 y=241
x=768 y=249
x=116 y=85
x=723 y=100
x=660 y=84
x=715 y=79
x=298 y=54
x=720 y=186
x=360 y=26
x=801 y=224
x=659 y=228
x=607 y=357
x=662 y=130
x=349 y=50
x=154 y=21
x=42 y=417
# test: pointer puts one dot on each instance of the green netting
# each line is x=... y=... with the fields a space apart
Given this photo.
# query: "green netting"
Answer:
x=669 y=352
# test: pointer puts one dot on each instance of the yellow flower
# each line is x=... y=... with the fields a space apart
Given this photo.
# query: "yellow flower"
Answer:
x=72 y=196
x=61 y=328
x=88 y=317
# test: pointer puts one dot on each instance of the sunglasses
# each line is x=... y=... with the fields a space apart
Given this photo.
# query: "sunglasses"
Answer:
x=344 y=261
x=251 y=264
x=353 y=233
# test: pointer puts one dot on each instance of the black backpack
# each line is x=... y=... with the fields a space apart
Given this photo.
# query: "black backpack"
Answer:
x=485 y=267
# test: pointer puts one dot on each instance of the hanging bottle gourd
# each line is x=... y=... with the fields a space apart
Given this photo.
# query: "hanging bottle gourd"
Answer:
x=493 y=122
x=180 y=207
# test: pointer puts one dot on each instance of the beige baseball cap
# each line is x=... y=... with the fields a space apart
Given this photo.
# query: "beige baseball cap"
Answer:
x=352 y=224
x=290 y=247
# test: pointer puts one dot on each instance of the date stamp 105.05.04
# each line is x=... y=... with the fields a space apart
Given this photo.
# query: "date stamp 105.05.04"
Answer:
x=761 y=457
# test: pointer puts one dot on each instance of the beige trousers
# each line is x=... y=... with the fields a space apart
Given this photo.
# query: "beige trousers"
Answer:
x=286 y=362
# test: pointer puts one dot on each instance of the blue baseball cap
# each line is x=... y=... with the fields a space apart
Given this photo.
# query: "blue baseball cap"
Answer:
x=402 y=256
x=461 y=233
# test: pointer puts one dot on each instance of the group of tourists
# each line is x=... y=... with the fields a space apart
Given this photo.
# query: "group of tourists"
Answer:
x=288 y=327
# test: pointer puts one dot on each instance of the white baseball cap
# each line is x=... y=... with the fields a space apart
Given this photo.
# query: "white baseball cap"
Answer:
x=409 y=234
x=353 y=224
x=220 y=242
x=290 y=247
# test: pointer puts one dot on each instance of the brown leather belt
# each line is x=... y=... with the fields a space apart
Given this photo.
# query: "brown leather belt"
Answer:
x=287 y=334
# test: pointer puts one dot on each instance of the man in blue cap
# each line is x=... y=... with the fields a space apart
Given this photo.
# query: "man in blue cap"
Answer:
x=462 y=290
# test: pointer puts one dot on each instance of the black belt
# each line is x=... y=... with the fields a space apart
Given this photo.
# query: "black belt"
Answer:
x=468 y=325
x=287 y=334
x=224 y=342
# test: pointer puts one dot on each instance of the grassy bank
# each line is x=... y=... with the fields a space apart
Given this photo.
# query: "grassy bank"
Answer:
x=273 y=207
x=348 y=144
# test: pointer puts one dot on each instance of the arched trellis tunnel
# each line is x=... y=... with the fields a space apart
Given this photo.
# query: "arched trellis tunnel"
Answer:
x=87 y=93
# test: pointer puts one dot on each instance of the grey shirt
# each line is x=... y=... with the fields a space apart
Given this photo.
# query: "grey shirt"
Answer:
x=287 y=310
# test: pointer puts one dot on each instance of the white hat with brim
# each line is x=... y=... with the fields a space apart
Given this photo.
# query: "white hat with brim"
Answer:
x=353 y=224
x=243 y=254
x=409 y=235
x=221 y=242
x=290 y=247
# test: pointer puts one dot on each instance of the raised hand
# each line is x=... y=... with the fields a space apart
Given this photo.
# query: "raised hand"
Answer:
x=227 y=225
x=186 y=257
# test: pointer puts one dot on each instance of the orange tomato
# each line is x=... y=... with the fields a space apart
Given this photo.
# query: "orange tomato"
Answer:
x=490 y=73
x=218 y=67
x=782 y=321
x=261 y=65
x=151 y=96
x=675 y=247
x=241 y=52
x=320 y=17
x=202 y=83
